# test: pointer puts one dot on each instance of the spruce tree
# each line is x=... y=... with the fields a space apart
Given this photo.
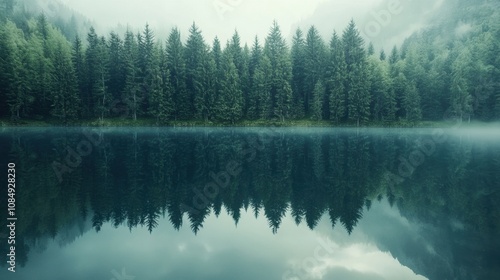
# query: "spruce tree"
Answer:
x=412 y=104
x=356 y=86
x=176 y=65
x=317 y=101
x=281 y=95
x=230 y=102
x=131 y=96
x=336 y=80
x=195 y=54
x=78 y=60
x=261 y=90
x=298 y=73
x=314 y=63
x=65 y=101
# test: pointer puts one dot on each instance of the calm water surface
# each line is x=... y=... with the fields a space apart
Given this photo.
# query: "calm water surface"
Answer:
x=257 y=203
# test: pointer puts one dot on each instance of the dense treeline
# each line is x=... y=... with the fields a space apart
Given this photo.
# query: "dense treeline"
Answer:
x=43 y=75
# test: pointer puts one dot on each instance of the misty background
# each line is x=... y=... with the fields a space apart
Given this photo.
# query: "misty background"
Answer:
x=384 y=22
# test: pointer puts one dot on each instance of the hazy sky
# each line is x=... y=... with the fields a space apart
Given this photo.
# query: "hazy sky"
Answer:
x=222 y=17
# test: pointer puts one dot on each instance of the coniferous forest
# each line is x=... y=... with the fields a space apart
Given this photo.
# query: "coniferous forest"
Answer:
x=45 y=75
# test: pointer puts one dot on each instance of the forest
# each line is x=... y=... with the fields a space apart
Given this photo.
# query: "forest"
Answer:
x=438 y=73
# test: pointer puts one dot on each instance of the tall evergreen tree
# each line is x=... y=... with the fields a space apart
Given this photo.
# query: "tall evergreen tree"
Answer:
x=65 y=103
x=460 y=98
x=262 y=107
x=131 y=96
x=15 y=56
x=356 y=86
x=336 y=80
x=317 y=101
x=116 y=67
x=195 y=54
x=314 y=62
x=78 y=60
x=42 y=44
x=162 y=107
x=412 y=104
x=176 y=65
x=281 y=95
x=230 y=103
x=298 y=73
x=146 y=66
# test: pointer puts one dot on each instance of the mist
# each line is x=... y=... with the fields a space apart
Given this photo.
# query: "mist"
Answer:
x=377 y=21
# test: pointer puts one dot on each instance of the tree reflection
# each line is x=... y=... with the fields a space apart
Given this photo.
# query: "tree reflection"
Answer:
x=134 y=179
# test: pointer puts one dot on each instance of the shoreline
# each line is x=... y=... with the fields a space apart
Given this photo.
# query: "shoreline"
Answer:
x=257 y=123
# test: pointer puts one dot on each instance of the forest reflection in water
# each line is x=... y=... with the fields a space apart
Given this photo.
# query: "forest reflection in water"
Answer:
x=134 y=177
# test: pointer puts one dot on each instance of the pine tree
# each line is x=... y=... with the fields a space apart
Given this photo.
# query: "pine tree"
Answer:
x=298 y=73
x=262 y=107
x=281 y=95
x=6 y=70
x=116 y=68
x=412 y=104
x=65 y=103
x=356 y=86
x=195 y=54
x=16 y=77
x=131 y=96
x=253 y=97
x=460 y=97
x=161 y=107
x=336 y=80
x=371 y=50
x=317 y=101
x=383 y=101
x=102 y=96
x=314 y=58
x=394 y=57
x=176 y=65
x=209 y=86
x=146 y=66
x=93 y=66
x=230 y=103
x=78 y=60
x=42 y=50
x=382 y=56
x=216 y=55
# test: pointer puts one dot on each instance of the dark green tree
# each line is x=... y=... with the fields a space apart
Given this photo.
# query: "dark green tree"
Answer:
x=336 y=80
x=314 y=65
x=298 y=73
x=281 y=92
x=356 y=85
x=176 y=65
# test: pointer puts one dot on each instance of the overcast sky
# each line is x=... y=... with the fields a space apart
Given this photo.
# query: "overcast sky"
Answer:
x=222 y=17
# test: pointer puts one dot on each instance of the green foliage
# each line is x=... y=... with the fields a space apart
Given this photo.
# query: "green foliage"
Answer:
x=317 y=101
x=230 y=102
x=434 y=73
x=336 y=80
x=298 y=73
x=356 y=84
x=177 y=67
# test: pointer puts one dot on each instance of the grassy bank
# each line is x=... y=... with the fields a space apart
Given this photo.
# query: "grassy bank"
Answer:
x=148 y=122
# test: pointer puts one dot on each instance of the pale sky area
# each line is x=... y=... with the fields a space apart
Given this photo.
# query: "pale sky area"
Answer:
x=385 y=23
x=222 y=17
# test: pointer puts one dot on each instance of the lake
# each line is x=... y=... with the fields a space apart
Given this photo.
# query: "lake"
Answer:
x=252 y=203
